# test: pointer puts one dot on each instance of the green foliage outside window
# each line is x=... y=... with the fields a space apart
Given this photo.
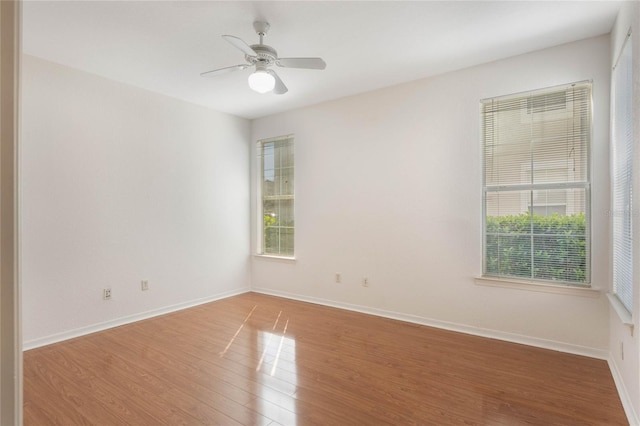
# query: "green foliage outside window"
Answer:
x=558 y=244
x=278 y=235
x=270 y=233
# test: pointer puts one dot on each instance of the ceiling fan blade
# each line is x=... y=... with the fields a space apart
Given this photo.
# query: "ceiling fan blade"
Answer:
x=240 y=44
x=224 y=70
x=280 y=88
x=309 y=63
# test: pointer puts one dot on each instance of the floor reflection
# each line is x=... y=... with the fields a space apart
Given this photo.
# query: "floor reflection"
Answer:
x=237 y=332
x=278 y=365
x=291 y=342
x=261 y=344
x=264 y=351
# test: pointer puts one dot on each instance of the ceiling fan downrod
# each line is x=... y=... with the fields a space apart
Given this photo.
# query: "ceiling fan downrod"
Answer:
x=262 y=28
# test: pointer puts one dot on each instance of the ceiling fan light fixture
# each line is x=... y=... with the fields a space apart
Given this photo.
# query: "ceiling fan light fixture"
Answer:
x=261 y=81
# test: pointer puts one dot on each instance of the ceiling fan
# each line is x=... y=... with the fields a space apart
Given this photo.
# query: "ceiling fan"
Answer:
x=263 y=79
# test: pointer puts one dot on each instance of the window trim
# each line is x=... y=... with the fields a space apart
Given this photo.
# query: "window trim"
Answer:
x=518 y=282
x=538 y=286
x=275 y=258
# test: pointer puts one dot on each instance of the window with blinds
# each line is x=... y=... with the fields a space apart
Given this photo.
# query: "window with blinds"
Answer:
x=536 y=185
x=277 y=230
x=622 y=183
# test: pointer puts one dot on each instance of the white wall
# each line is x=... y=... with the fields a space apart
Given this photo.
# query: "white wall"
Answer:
x=627 y=371
x=388 y=186
x=119 y=185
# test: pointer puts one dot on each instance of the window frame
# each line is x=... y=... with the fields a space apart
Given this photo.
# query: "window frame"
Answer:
x=532 y=187
x=260 y=243
x=626 y=301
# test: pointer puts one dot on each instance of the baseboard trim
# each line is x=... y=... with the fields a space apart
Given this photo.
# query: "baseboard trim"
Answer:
x=627 y=404
x=415 y=319
x=59 y=337
x=461 y=328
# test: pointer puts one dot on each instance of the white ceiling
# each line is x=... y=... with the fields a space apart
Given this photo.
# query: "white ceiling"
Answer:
x=163 y=46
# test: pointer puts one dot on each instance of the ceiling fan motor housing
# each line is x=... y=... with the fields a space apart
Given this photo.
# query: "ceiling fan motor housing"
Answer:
x=266 y=55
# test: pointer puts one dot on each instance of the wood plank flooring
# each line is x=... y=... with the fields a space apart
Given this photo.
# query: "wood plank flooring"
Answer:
x=260 y=360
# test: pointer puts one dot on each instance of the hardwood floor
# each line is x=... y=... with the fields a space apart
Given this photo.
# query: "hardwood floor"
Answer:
x=260 y=360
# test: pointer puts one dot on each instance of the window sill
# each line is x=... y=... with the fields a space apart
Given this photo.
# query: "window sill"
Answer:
x=622 y=312
x=537 y=286
x=275 y=258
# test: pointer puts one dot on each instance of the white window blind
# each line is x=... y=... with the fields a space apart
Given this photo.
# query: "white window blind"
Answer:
x=622 y=169
x=277 y=200
x=536 y=184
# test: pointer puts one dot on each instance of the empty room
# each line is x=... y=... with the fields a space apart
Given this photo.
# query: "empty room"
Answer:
x=320 y=212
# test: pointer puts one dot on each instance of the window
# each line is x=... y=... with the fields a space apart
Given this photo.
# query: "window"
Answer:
x=276 y=215
x=536 y=217
x=546 y=203
x=622 y=166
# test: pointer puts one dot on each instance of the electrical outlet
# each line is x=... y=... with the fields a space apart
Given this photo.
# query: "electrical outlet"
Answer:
x=144 y=285
x=365 y=282
x=106 y=294
x=338 y=277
